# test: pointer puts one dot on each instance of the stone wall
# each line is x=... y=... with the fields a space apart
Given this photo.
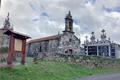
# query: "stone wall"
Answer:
x=44 y=47
x=3 y=57
x=4 y=39
x=69 y=44
x=89 y=61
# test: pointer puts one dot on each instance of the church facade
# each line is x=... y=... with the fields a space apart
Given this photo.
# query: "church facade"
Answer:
x=103 y=47
x=66 y=43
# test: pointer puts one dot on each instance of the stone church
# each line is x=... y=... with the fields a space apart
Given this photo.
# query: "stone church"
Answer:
x=4 y=39
x=66 y=43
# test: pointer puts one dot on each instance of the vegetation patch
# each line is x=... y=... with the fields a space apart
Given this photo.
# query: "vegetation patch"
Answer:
x=50 y=70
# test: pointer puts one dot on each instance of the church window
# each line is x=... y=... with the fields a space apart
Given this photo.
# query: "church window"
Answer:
x=66 y=51
x=70 y=51
x=40 y=49
x=70 y=40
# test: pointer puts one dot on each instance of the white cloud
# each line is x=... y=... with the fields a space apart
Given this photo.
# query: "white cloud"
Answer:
x=40 y=18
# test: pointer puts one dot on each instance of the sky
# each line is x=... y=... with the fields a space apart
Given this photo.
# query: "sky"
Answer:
x=40 y=18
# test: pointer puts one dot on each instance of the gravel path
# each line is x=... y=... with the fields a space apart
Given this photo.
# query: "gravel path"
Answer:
x=115 y=76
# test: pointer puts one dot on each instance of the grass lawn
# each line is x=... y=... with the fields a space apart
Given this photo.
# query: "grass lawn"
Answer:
x=46 y=70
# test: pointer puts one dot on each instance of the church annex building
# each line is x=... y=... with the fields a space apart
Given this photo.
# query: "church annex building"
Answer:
x=103 y=47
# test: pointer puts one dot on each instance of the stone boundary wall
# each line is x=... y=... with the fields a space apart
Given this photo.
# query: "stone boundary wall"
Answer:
x=88 y=61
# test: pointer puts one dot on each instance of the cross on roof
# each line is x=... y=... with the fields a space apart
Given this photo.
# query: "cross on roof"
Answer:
x=103 y=31
x=92 y=32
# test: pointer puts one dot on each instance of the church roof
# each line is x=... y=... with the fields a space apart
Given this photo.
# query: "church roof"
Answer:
x=45 y=38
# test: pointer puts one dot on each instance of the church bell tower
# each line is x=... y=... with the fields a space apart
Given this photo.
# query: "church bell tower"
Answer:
x=68 y=23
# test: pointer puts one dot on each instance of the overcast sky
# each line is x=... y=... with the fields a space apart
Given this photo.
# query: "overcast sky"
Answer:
x=39 y=18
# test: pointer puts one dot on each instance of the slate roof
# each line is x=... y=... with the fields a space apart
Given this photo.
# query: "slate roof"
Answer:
x=44 y=39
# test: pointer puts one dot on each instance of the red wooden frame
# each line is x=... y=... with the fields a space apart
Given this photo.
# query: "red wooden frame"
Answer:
x=12 y=36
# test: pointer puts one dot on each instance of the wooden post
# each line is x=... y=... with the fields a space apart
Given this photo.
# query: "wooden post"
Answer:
x=10 y=51
x=23 y=51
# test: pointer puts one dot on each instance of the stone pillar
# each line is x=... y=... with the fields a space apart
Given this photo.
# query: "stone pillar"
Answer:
x=87 y=50
x=23 y=52
x=97 y=51
x=109 y=51
x=10 y=51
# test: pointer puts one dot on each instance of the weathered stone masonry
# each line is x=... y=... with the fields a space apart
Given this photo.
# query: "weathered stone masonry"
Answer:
x=66 y=43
